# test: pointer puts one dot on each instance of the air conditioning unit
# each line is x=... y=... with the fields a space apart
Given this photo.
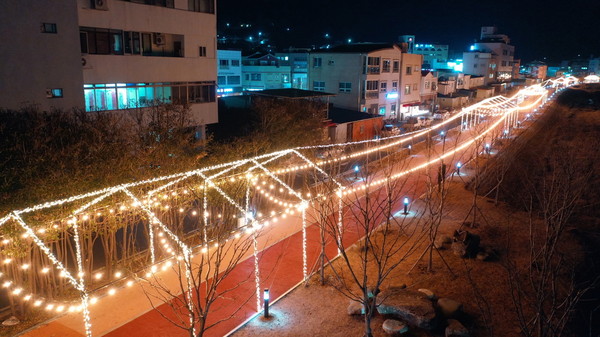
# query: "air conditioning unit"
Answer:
x=100 y=4
x=159 y=39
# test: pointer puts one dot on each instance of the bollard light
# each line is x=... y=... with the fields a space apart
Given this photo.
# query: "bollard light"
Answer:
x=409 y=149
x=266 y=298
x=487 y=148
x=356 y=169
x=405 y=205
x=458 y=166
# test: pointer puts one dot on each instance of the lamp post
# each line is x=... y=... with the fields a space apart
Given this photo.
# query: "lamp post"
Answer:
x=458 y=166
x=443 y=135
x=487 y=148
x=405 y=205
x=409 y=149
x=356 y=169
x=266 y=298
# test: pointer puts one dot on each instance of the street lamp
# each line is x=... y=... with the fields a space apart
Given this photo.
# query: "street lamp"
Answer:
x=405 y=205
x=356 y=169
x=458 y=166
x=443 y=135
x=409 y=149
x=266 y=298
x=487 y=148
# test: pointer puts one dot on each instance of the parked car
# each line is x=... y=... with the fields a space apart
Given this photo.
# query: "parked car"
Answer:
x=424 y=122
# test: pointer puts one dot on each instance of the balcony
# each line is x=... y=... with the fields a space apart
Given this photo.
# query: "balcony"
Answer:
x=372 y=95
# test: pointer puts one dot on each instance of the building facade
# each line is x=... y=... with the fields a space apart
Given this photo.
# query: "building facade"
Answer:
x=265 y=71
x=365 y=77
x=491 y=56
x=410 y=84
x=229 y=72
x=107 y=55
x=433 y=54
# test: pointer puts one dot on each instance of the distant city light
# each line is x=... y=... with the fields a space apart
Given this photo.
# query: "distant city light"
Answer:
x=472 y=48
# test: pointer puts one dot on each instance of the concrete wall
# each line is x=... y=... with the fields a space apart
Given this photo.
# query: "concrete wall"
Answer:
x=32 y=62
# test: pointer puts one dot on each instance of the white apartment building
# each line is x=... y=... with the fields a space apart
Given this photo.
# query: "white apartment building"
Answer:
x=364 y=76
x=104 y=55
x=481 y=64
x=497 y=48
x=428 y=90
x=265 y=71
x=229 y=72
x=410 y=84
x=432 y=53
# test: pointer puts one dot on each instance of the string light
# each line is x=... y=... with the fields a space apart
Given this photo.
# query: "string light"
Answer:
x=506 y=108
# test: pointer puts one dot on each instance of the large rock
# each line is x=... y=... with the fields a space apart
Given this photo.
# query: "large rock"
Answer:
x=459 y=249
x=410 y=306
x=430 y=295
x=11 y=321
x=456 y=329
x=450 y=308
x=355 y=308
x=469 y=240
x=394 y=327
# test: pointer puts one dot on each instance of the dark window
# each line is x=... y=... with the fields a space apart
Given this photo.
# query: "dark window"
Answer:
x=102 y=41
x=203 y=6
x=233 y=80
x=235 y=63
x=202 y=51
x=146 y=44
x=83 y=41
x=127 y=40
x=161 y=3
x=49 y=28
x=136 y=43
x=317 y=62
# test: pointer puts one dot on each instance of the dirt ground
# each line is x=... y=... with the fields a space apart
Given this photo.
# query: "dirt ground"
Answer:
x=317 y=310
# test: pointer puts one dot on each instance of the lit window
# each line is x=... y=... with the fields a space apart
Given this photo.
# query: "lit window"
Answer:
x=54 y=93
x=407 y=89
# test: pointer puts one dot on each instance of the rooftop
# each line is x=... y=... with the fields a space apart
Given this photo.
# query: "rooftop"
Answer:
x=357 y=48
x=291 y=93
x=341 y=115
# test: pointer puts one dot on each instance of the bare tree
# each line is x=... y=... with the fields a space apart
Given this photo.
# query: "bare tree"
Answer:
x=386 y=239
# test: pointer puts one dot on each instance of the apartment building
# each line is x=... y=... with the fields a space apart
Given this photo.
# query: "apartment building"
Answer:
x=265 y=71
x=428 y=90
x=229 y=72
x=410 y=84
x=495 y=50
x=103 y=55
x=364 y=76
x=433 y=54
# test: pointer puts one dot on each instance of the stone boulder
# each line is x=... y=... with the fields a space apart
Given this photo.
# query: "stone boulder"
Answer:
x=456 y=329
x=449 y=307
x=394 y=327
x=410 y=306
x=430 y=295
x=459 y=249
x=355 y=308
x=470 y=242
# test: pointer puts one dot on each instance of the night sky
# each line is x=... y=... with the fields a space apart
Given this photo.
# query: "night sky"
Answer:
x=552 y=29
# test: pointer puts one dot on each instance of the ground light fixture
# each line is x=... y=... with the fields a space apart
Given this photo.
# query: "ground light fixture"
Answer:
x=458 y=166
x=356 y=169
x=406 y=205
x=487 y=148
x=266 y=299
x=409 y=149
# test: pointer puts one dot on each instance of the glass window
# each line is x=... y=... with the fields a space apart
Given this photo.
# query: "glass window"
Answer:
x=396 y=66
x=235 y=63
x=386 y=66
x=221 y=80
x=407 y=89
x=233 y=80
x=203 y=6
x=202 y=51
x=116 y=42
x=224 y=64
x=409 y=70
x=54 y=93
x=49 y=28
x=146 y=44
x=319 y=86
x=372 y=85
x=345 y=86
x=317 y=62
